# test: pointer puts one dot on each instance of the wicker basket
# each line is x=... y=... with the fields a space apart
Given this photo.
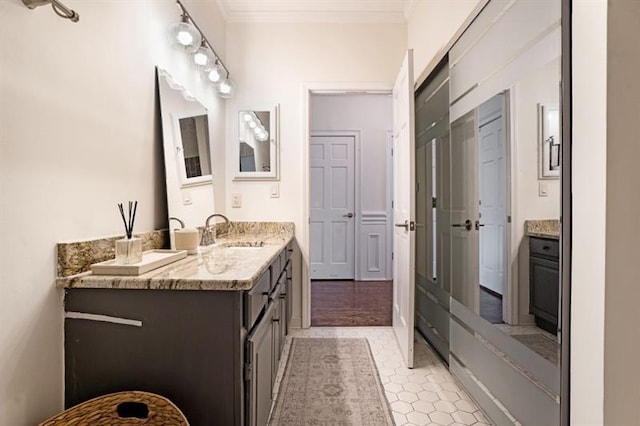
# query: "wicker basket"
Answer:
x=121 y=409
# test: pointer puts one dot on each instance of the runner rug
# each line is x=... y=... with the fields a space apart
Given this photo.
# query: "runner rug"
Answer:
x=331 y=382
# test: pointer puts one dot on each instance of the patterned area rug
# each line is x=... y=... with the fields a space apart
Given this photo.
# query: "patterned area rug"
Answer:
x=331 y=382
x=544 y=346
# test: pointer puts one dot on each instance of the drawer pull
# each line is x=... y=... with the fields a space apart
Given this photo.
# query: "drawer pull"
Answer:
x=546 y=248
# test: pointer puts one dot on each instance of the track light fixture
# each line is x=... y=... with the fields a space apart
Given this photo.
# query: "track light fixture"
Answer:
x=185 y=35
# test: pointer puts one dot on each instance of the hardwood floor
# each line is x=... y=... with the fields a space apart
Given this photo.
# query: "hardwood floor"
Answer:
x=351 y=303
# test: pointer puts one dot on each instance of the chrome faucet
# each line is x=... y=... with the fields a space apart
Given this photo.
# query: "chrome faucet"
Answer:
x=208 y=235
x=178 y=220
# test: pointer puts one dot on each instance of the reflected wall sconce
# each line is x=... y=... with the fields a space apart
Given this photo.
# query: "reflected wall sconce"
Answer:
x=59 y=8
x=185 y=35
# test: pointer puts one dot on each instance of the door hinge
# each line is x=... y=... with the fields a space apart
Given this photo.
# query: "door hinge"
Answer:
x=391 y=203
x=391 y=255
x=248 y=369
x=509 y=219
x=433 y=202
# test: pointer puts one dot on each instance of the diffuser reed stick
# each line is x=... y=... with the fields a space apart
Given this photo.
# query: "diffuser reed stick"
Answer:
x=128 y=224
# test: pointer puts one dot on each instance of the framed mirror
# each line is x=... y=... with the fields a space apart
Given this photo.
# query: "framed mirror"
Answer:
x=185 y=131
x=187 y=153
x=257 y=147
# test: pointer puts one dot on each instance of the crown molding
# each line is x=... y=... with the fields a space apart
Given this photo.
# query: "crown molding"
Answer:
x=313 y=14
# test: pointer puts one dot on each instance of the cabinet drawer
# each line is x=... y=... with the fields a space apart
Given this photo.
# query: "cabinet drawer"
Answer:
x=544 y=247
x=255 y=300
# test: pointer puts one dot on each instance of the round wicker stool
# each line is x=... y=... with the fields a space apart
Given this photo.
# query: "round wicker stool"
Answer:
x=130 y=408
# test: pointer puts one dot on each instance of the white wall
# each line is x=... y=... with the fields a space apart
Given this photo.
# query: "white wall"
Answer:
x=589 y=176
x=79 y=132
x=273 y=62
x=622 y=335
x=431 y=26
x=372 y=116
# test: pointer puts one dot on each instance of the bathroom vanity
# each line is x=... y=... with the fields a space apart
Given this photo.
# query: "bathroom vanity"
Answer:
x=206 y=332
x=544 y=273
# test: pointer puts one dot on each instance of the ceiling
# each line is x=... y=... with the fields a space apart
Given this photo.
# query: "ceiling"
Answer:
x=392 y=11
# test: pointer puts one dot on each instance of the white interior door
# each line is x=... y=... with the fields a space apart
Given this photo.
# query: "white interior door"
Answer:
x=332 y=225
x=404 y=209
x=492 y=195
x=464 y=211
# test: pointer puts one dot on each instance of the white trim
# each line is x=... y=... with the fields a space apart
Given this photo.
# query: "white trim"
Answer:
x=102 y=318
x=307 y=90
x=389 y=253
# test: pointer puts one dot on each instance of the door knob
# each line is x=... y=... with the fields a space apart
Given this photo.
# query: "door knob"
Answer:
x=408 y=226
x=468 y=225
x=478 y=225
x=348 y=215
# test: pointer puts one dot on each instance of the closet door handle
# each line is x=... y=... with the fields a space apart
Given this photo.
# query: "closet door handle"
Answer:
x=349 y=215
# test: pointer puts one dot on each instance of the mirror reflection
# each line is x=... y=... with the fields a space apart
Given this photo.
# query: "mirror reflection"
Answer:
x=194 y=138
x=255 y=144
x=187 y=153
x=257 y=147
x=488 y=208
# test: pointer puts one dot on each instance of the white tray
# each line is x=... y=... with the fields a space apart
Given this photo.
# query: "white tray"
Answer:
x=151 y=259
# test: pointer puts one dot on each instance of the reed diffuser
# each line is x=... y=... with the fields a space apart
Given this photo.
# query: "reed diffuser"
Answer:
x=128 y=249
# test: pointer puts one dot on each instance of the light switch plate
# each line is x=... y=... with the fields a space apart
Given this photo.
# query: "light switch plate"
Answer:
x=236 y=201
x=542 y=189
x=186 y=197
x=275 y=190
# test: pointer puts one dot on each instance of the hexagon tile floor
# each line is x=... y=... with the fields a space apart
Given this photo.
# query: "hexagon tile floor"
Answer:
x=425 y=395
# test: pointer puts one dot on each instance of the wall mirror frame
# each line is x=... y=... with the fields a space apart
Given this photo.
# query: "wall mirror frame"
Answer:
x=257 y=147
x=189 y=185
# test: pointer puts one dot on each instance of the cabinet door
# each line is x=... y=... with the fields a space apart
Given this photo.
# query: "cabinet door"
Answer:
x=289 y=290
x=277 y=336
x=260 y=370
x=545 y=286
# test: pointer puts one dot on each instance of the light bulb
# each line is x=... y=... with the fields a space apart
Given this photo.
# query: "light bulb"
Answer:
x=247 y=117
x=216 y=73
x=252 y=124
x=185 y=36
x=203 y=58
x=227 y=88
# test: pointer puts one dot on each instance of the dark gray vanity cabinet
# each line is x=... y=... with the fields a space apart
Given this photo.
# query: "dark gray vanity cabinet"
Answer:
x=544 y=282
x=213 y=353
x=266 y=342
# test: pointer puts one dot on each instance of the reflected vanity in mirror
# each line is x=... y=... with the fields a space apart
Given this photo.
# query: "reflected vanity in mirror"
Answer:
x=187 y=153
x=257 y=147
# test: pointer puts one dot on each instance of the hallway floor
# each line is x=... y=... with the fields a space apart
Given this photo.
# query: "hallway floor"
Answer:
x=351 y=303
x=424 y=395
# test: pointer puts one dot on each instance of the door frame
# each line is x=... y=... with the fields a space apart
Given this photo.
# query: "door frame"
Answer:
x=356 y=189
x=309 y=89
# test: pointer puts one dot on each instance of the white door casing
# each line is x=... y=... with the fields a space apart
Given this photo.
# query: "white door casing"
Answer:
x=492 y=200
x=464 y=211
x=332 y=199
x=404 y=209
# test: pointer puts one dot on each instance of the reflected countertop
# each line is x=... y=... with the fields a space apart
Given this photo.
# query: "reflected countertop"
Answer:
x=547 y=228
x=219 y=266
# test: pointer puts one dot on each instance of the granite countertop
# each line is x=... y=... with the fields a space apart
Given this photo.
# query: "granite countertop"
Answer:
x=219 y=266
x=548 y=228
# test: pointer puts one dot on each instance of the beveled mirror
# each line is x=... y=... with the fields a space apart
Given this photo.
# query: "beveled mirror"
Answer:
x=257 y=147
